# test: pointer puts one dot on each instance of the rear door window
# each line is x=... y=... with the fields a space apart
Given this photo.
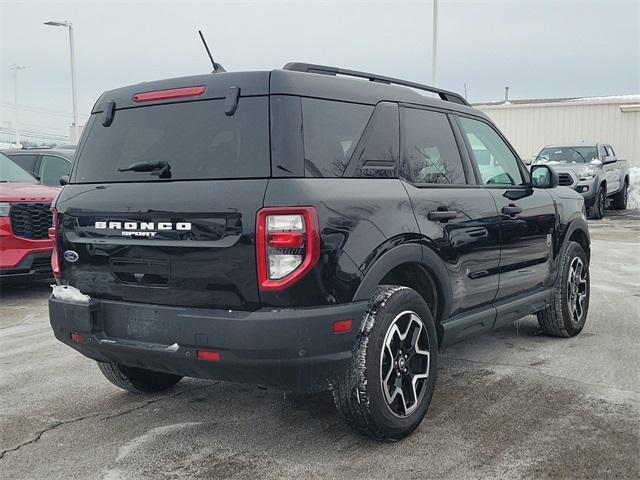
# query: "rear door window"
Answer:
x=430 y=150
x=331 y=133
x=196 y=139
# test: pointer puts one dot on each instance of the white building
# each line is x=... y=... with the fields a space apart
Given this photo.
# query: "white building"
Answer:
x=531 y=124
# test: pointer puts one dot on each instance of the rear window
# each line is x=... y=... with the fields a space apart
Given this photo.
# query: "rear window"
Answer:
x=196 y=139
x=331 y=132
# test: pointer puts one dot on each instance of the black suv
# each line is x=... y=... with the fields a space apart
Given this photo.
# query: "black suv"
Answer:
x=306 y=230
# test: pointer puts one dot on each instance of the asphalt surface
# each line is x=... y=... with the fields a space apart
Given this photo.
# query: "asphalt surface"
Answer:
x=510 y=404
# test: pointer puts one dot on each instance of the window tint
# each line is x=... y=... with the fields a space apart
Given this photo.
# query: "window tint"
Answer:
x=430 y=150
x=196 y=139
x=331 y=133
x=26 y=161
x=52 y=168
x=10 y=172
x=497 y=165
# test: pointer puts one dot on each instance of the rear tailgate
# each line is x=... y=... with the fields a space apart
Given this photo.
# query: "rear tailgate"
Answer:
x=181 y=230
x=175 y=243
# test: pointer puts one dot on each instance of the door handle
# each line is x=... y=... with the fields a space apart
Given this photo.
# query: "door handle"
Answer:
x=512 y=210
x=442 y=215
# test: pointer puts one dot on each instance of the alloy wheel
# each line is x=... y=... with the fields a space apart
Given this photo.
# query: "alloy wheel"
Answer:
x=404 y=364
x=577 y=290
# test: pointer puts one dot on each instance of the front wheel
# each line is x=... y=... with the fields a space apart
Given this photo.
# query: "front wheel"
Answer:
x=567 y=314
x=387 y=390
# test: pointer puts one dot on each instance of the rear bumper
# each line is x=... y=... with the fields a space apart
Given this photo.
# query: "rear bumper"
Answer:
x=292 y=349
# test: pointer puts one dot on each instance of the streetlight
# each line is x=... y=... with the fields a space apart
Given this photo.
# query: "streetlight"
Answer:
x=434 y=78
x=69 y=25
x=15 y=69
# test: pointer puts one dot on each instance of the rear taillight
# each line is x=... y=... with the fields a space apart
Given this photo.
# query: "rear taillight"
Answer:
x=53 y=235
x=288 y=245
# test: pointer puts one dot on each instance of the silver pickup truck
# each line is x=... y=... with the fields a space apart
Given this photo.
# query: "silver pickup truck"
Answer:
x=591 y=169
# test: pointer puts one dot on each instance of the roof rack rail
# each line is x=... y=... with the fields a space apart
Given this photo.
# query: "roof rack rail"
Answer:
x=372 y=77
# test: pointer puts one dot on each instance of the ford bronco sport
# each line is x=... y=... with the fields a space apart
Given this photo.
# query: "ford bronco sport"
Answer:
x=309 y=229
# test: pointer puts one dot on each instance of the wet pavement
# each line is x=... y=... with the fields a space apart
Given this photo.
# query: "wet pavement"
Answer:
x=509 y=404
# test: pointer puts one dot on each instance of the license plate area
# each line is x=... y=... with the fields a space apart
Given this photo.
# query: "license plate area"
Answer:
x=142 y=324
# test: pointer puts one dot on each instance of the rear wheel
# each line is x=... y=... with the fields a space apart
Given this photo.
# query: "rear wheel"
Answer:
x=137 y=380
x=620 y=198
x=597 y=210
x=387 y=390
x=567 y=314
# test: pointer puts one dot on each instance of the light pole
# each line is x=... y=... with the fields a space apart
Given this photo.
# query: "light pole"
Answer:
x=434 y=78
x=69 y=25
x=15 y=69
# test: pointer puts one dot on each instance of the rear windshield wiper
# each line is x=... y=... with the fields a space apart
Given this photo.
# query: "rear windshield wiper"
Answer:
x=160 y=168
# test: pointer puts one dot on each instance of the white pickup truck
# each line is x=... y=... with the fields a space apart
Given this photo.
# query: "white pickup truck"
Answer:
x=591 y=169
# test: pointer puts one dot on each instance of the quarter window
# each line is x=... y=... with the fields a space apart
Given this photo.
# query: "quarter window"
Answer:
x=331 y=133
x=430 y=149
x=495 y=161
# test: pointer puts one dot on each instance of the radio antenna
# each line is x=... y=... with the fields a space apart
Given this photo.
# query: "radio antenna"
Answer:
x=217 y=68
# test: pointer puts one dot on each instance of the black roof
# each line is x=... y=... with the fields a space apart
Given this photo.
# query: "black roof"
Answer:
x=310 y=83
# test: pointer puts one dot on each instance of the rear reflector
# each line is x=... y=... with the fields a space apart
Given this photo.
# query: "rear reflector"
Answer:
x=208 y=356
x=169 y=93
x=342 y=326
x=77 y=338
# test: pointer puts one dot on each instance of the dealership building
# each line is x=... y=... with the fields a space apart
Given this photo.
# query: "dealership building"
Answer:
x=531 y=124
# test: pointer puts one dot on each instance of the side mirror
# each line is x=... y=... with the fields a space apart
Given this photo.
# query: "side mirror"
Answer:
x=543 y=176
x=607 y=160
x=64 y=180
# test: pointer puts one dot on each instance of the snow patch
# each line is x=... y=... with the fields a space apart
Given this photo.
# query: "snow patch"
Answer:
x=67 y=293
x=633 y=200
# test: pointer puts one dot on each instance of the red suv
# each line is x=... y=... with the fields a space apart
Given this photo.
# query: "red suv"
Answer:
x=25 y=217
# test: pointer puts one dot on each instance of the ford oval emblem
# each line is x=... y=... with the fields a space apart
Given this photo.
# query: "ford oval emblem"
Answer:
x=71 y=256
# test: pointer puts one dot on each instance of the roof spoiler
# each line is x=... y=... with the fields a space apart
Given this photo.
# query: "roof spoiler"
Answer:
x=372 y=77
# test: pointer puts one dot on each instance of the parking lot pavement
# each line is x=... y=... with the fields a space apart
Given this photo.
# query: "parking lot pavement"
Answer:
x=510 y=404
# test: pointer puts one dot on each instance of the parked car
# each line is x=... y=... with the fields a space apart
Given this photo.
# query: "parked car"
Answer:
x=46 y=164
x=25 y=217
x=591 y=169
x=302 y=230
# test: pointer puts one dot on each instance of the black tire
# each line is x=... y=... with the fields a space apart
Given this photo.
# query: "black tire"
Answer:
x=137 y=380
x=560 y=319
x=359 y=395
x=596 y=211
x=620 y=198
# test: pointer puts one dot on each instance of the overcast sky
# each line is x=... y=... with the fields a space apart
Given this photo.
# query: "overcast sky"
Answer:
x=539 y=48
